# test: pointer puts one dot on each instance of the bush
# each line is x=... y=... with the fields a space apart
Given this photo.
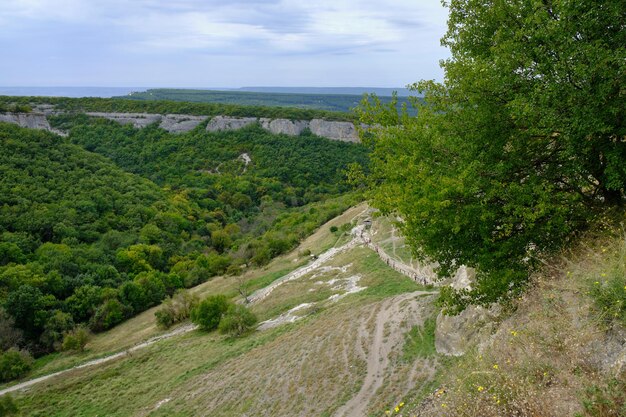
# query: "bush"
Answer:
x=209 y=312
x=7 y=406
x=14 y=364
x=57 y=324
x=176 y=309
x=237 y=320
x=108 y=315
x=333 y=229
x=76 y=339
x=610 y=297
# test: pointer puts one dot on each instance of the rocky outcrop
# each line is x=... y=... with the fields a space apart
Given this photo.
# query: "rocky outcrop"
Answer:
x=138 y=120
x=30 y=120
x=219 y=123
x=173 y=123
x=343 y=131
x=284 y=126
x=179 y=123
x=454 y=335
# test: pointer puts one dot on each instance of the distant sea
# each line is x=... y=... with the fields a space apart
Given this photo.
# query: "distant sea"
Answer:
x=106 y=92
x=103 y=92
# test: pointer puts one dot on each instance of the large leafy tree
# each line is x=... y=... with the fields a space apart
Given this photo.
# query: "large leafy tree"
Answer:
x=520 y=145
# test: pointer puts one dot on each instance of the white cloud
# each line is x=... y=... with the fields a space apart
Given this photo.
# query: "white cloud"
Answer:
x=131 y=36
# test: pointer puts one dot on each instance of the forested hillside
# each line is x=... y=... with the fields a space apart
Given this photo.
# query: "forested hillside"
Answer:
x=89 y=104
x=332 y=102
x=94 y=239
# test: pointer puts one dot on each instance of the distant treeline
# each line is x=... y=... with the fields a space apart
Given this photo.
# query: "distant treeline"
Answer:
x=327 y=102
x=78 y=105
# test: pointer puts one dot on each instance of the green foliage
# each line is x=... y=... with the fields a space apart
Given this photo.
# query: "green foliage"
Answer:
x=518 y=150
x=110 y=313
x=55 y=328
x=607 y=400
x=168 y=105
x=419 y=342
x=81 y=234
x=333 y=102
x=7 y=406
x=176 y=309
x=237 y=321
x=76 y=339
x=208 y=313
x=10 y=336
x=14 y=364
x=609 y=295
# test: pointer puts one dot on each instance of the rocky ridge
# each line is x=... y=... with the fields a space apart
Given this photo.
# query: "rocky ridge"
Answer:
x=30 y=120
x=180 y=123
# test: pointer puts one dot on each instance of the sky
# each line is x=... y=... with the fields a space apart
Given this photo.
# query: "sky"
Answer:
x=221 y=43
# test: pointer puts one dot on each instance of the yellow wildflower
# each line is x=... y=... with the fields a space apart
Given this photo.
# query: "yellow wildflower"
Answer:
x=495 y=366
x=480 y=388
x=397 y=409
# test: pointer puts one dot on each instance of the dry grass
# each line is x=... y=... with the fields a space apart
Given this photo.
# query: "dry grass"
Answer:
x=553 y=356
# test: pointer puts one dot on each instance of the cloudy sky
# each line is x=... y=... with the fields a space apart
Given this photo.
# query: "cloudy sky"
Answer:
x=220 y=43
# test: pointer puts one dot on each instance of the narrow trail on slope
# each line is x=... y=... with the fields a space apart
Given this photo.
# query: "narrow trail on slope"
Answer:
x=99 y=361
x=360 y=236
x=394 y=314
x=255 y=297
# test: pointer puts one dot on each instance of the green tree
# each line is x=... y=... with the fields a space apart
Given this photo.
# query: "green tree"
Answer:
x=110 y=313
x=208 y=313
x=237 y=321
x=76 y=339
x=519 y=147
x=83 y=303
x=56 y=326
x=7 y=406
x=14 y=364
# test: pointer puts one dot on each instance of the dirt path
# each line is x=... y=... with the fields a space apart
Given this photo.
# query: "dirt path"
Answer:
x=26 y=384
x=300 y=272
x=255 y=297
x=394 y=313
x=379 y=348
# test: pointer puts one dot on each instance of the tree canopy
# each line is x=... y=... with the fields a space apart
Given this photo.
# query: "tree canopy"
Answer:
x=518 y=149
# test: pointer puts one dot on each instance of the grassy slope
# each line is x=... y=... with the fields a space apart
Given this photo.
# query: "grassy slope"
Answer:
x=556 y=351
x=310 y=367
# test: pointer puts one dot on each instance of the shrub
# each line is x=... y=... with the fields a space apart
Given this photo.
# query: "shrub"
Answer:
x=7 y=406
x=176 y=309
x=76 y=339
x=14 y=364
x=57 y=324
x=209 y=312
x=333 y=229
x=610 y=297
x=237 y=320
x=108 y=315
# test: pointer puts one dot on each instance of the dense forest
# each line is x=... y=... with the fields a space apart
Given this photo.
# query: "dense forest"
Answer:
x=107 y=222
x=94 y=104
x=331 y=102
